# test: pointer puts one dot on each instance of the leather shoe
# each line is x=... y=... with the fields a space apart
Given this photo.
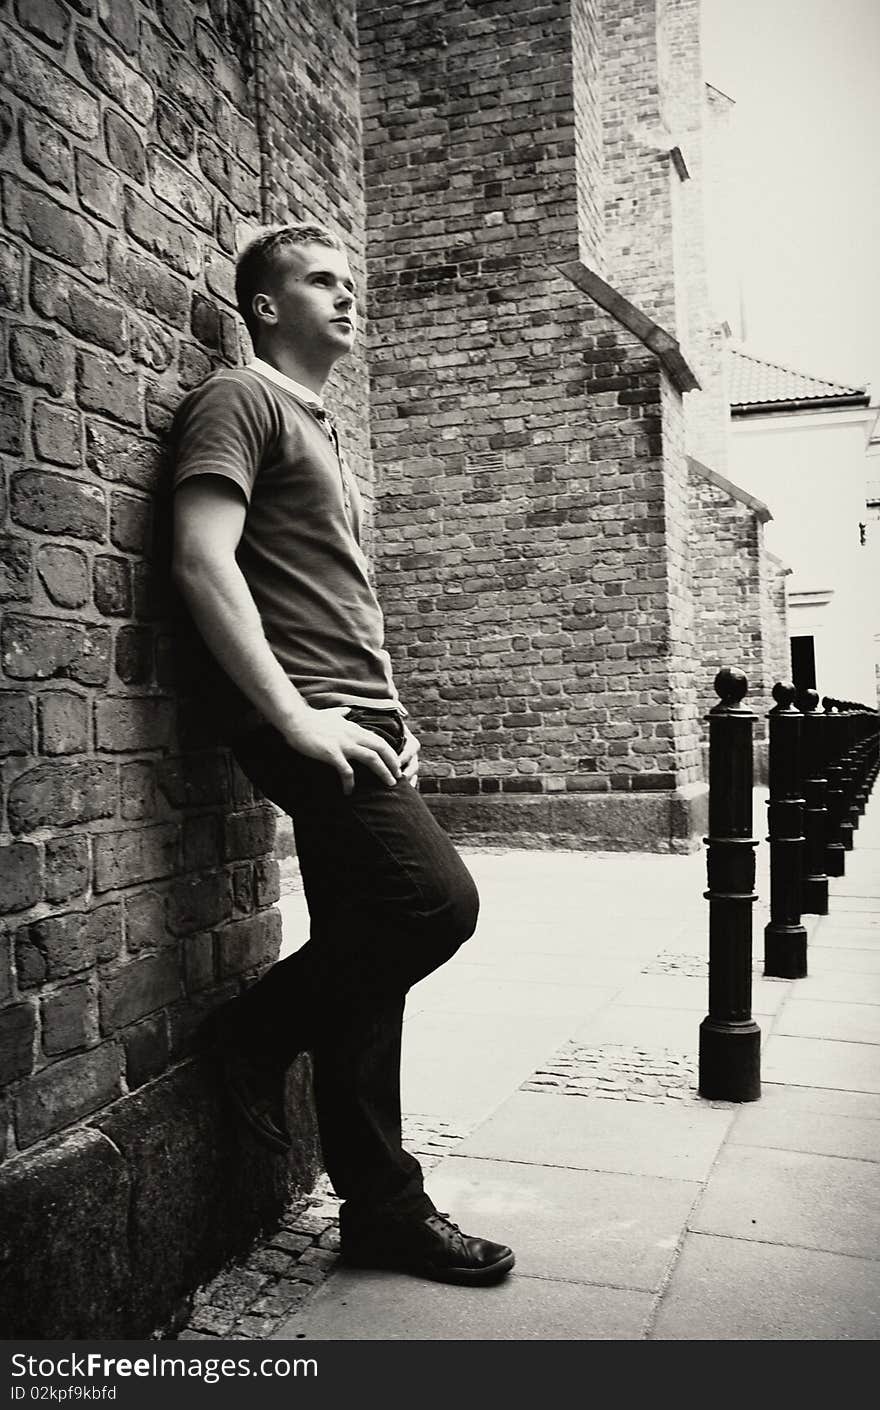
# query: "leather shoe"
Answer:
x=428 y=1248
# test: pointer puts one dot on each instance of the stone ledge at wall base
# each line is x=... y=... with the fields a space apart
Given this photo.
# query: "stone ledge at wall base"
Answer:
x=107 y=1230
x=669 y=820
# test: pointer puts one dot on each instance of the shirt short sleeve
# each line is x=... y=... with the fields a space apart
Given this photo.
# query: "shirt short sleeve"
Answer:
x=222 y=428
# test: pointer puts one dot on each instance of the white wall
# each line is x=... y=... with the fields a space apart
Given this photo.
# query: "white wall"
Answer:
x=810 y=469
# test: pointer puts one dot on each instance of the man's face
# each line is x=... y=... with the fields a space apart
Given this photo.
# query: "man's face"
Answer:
x=312 y=300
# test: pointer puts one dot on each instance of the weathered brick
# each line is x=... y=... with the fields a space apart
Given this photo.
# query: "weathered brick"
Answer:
x=146 y=1050
x=149 y=343
x=56 y=504
x=57 y=433
x=195 y=780
x=198 y=962
x=38 y=81
x=67 y=1091
x=21 y=876
x=214 y=59
x=68 y=1018
x=15 y=569
x=5 y=967
x=199 y=902
x=236 y=183
x=171 y=241
x=160 y=404
x=145 y=922
x=11 y=422
x=250 y=834
x=148 y=285
x=245 y=944
x=124 y=147
x=205 y=321
x=47 y=152
x=64 y=573
x=16 y=723
x=128 y=723
x=137 y=790
x=119 y=18
x=54 y=229
x=131 y=522
x=179 y=20
x=99 y=189
x=193 y=365
x=175 y=129
x=45 y=18
x=202 y=842
x=267 y=882
x=67 y=868
x=104 y=387
x=39 y=649
x=11 y=276
x=110 y=72
x=118 y=455
x=17 y=1028
x=133 y=655
x=61 y=795
x=135 y=855
x=63 y=721
x=41 y=358
x=243 y=889
x=59 y=946
x=138 y=988
x=178 y=188
x=111 y=586
x=220 y=277
x=85 y=314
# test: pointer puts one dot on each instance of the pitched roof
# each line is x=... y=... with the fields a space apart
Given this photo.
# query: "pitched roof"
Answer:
x=759 y=385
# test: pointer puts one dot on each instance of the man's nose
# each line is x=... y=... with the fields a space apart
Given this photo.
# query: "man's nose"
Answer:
x=344 y=298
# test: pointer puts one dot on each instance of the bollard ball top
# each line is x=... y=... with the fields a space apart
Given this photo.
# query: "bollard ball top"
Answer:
x=731 y=685
x=783 y=693
x=808 y=700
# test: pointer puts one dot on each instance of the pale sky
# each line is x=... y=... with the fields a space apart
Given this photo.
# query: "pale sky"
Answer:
x=805 y=176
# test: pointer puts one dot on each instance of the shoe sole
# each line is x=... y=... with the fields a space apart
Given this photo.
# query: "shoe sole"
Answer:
x=463 y=1277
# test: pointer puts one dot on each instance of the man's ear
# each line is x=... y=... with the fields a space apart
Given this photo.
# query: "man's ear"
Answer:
x=264 y=308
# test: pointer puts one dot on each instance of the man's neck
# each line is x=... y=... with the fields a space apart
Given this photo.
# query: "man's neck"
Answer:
x=294 y=366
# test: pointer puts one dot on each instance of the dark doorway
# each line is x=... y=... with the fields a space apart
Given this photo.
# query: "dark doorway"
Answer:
x=803 y=662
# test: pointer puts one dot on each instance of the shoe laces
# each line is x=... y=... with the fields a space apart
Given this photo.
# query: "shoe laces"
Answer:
x=442 y=1222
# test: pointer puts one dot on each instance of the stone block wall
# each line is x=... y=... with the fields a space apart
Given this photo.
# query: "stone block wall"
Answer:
x=533 y=560
x=137 y=871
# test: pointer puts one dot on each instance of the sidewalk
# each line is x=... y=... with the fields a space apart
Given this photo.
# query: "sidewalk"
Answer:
x=550 y=1069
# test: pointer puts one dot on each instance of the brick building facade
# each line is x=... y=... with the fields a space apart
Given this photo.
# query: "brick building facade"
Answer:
x=507 y=180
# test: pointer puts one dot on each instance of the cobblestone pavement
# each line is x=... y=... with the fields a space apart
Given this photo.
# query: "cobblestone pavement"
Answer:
x=250 y=1299
x=619 y=1073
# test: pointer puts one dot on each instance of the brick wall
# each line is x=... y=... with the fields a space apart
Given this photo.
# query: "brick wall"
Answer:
x=137 y=875
x=739 y=594
x=529 y=450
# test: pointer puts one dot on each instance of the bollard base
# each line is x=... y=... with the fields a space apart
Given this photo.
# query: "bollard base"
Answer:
x=785 y=951
x=730 y=1061
x=815 y=902
x=835 y=860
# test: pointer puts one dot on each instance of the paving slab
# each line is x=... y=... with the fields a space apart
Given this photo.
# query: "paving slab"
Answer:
x=729 y=1290
x=674 y=1029
x=577 y=1225
x=461 y=1066
x=843 y=959
x=864 y=904
x=792 y=1197
x=821 y=1062
x=514 y=998
x=807 y=1018
x=596 y=1134
x=674 y=991
x=836 y=938
x=367 y=1306
x=836 y=987
x=811 y=1119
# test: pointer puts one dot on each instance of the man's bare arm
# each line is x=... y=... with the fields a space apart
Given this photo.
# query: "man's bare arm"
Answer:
x=209 y=516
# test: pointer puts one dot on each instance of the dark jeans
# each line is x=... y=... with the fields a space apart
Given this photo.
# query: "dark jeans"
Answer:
x=389 y=900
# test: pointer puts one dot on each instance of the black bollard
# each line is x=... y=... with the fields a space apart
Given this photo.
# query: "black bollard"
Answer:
x=835 y=852
x=785 y=939
x=730 y=1040
x=814 y=897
